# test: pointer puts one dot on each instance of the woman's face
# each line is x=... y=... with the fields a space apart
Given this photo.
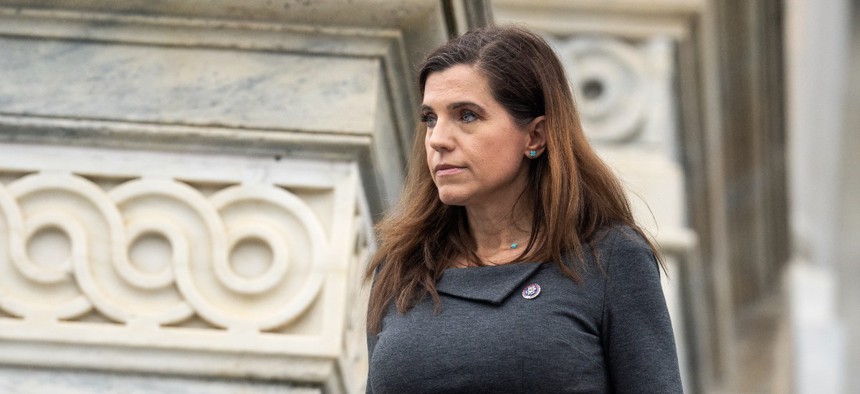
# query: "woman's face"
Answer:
x=476 y=153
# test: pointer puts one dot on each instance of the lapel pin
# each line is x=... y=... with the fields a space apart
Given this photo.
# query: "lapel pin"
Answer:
x=531 y=291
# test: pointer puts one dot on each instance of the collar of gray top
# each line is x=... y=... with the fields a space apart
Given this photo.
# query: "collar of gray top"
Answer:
x=492 y=284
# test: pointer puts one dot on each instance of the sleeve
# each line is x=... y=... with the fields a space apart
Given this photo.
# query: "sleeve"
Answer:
x=638 y=341
x=371 y=344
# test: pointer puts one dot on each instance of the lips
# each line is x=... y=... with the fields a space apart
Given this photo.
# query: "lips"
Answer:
x=447 y=169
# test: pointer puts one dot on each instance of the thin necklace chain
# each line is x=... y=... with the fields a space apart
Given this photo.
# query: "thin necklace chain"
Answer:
x=491 y=260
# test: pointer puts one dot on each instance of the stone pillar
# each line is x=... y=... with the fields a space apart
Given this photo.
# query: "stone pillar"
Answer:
x=848 y=255
x=187 y=189
x=684 y=99
x=823 y=122
x=622 y=64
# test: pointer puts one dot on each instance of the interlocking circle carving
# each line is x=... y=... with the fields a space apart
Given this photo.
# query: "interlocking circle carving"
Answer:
x=192 y=270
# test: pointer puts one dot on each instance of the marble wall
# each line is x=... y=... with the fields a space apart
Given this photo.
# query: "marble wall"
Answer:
x=139 y=139
x=187 y=191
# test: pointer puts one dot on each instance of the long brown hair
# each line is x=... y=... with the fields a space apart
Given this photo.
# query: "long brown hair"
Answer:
x=574 y=194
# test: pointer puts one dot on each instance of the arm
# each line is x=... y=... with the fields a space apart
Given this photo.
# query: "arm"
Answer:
x=637 y=334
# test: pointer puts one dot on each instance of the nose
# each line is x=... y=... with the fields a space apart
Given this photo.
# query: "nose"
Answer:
x=439 y=138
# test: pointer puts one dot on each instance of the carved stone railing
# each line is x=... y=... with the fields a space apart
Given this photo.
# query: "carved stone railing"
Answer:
x=188 y=190
x=219 y=266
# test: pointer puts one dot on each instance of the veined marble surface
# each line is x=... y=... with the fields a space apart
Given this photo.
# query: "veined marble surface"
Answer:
x=199 y=86
x=311 y=100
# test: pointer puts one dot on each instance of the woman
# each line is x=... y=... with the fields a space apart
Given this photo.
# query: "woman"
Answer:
x=513 y=262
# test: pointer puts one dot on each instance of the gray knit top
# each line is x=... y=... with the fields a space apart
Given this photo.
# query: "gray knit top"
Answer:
x=609 y=334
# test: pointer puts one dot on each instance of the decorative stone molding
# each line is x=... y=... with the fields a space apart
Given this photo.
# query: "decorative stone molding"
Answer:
x=721 y=129
x=188 y=190
x=245 y=264
x=191 y=77
x=624 y=90
x=621 y=61
x=197 y=235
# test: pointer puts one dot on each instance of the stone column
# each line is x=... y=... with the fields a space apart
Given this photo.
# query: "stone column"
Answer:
x=621 y=59
x=684 y=99
x=187 y=189
x=848 y=256
x=823 y=124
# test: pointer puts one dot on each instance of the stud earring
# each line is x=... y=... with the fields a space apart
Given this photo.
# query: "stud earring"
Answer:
x=532 y=154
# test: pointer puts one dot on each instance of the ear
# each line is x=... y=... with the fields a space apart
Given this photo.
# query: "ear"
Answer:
x=537 y=136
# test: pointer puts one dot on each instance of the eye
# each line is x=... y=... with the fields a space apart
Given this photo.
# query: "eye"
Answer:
x=429 y=119
x=468 y=116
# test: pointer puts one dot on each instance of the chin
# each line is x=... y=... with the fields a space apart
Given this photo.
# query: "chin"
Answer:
x=449 y=197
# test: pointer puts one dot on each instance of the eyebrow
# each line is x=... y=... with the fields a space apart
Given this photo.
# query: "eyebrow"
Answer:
x=454 y=105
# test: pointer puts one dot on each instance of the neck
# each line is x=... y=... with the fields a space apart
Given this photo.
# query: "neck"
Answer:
x=495 y=228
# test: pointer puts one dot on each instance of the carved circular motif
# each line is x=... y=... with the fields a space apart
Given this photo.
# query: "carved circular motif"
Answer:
x=51 y=241
x=297 y=241
x=259 y=237
x=157 y=251
x=80 y=210
x=50 y=247
x=150 y=252
x=607 y=77
x=169 y=246
x=250 y=257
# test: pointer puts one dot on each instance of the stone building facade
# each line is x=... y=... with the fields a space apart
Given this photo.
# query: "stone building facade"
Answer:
x=187 y=189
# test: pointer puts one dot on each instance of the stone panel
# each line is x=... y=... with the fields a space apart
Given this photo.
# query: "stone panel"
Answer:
x=187 y=191
x=621 y=61
x=194 y=86
x=235 y=256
